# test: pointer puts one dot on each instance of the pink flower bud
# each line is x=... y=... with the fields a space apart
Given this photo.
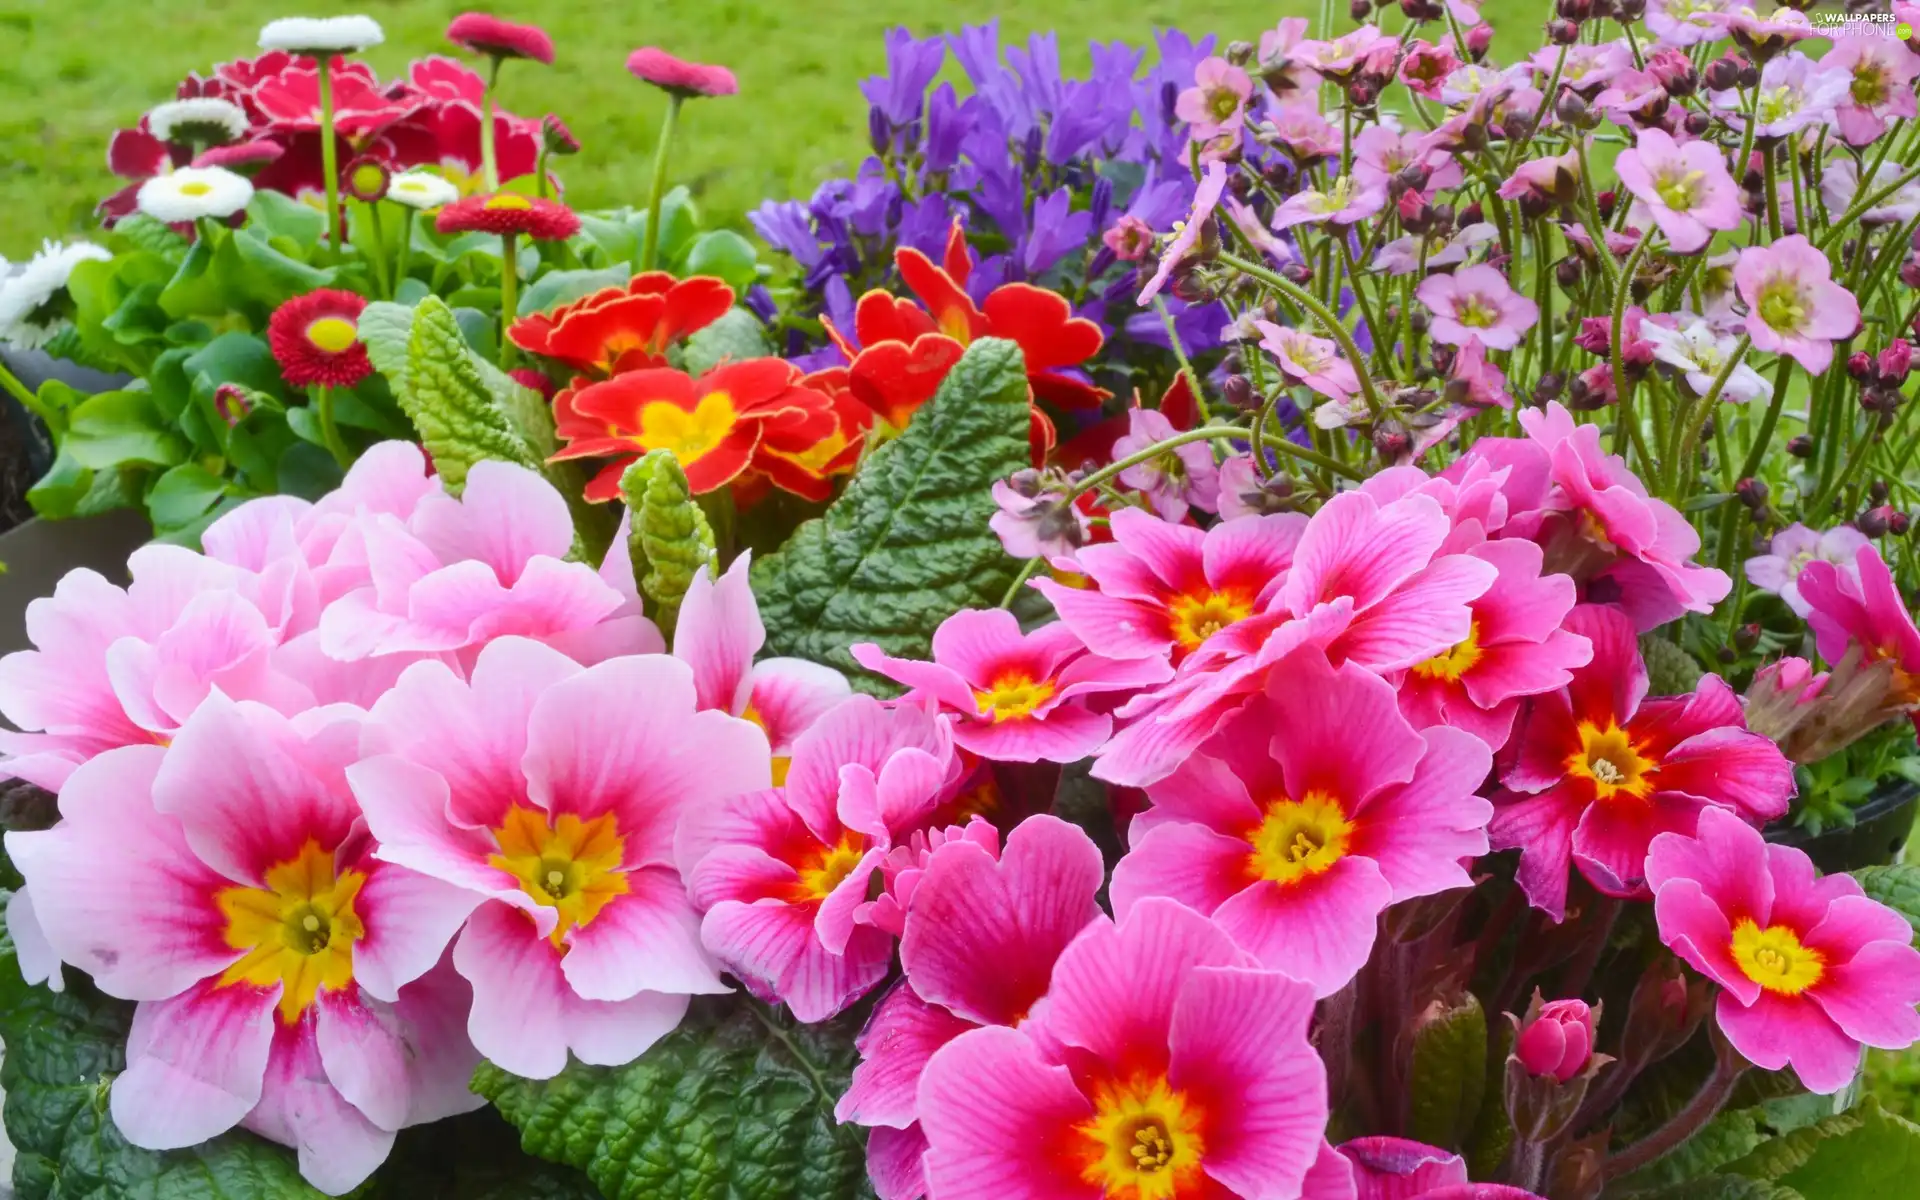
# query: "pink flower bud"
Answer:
x=1479 y=40
x=1558 y=1041
x=1896 y=361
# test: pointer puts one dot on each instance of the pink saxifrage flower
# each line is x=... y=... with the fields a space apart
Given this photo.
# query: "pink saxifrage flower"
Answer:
x=1348 y=200
x=550 y=793
x=1599 y=770
x=1186 y=235
x=1313 y=361
x=289 y=981
x=1217 y=102
x=1163 y=1059
x=1477 y=302
x=1792 y=550
x=1015 y=697
x=1308 y=815
x=1173 y=480
x=1793 y=305
x=1881 y=71
x=1810 y=968
x=1685 y=187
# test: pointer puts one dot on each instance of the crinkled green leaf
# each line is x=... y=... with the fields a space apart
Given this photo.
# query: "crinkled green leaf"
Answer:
x=1778 y=1157
x=668 y=537
x=1671 y=671
x=1897 y=886
x=1721 y=1187
x=1449 y=1078
x=449 y=403
x=1727 y=1137
x=735 y=337
x=736 y=1104
x=1879 y=1157
x=907 y=544
x=142 y=232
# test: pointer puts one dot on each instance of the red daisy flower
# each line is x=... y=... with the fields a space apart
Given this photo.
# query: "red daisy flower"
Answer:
x=626 y=328
x=677 y=75
x=483 y=33
x=509 y=212
x=316 y=339
x=717 y=425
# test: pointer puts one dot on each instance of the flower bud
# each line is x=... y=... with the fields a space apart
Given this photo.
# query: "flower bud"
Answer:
x=1360 y=10
x=1860 y=365
x=1298 y=274
x=1800 y=446
x=1898 y=523
x=1479 y=41
x=1557 y=1041
x=1418 y=322
x=1238 y=392
x=557 y=138
x=1723 y=73
x=1606 y=201
x=1025 y=481
x=1416 y=215
x=1567 y=272
x=1574 y=10
x=1910 y=272
x=1241 y=53
x=1548 y=388
x=1562 y=32
x=1749 y=75
x=366 y=179
x=1752 y=492
x=879 y=132
x=1628 y=11
x=1746 y=637
x=1362 y=94
x=1877 y=492
x=1472 y=214
x=1674 y=70
x=1875 y=522
x=232 y=403
x=1896 y=362
x=1391 y=444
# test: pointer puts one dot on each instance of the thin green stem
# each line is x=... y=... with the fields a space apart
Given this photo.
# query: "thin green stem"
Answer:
x=329 y=428
x=1180 y=355
x=377 y=246
x=489 y=162
x=1770 y=181
x=1013 y=589
x=403 y=252
x=509 y=292
x=650 y=254
x=1862 y=204
x=1629 y=424
x=1690 y=444
x=329 y=155
x=1320 y=313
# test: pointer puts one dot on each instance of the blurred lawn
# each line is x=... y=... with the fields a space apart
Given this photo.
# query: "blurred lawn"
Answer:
x=76 y=70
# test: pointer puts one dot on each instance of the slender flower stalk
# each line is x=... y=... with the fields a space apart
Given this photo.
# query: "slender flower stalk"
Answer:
x=650 y=253
x=322 y=397
x=329 y=155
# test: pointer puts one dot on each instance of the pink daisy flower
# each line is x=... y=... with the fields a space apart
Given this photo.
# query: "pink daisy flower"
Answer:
x=1795 y=548
x=1600 y=770
x=1793 y=305
x=285 y=974
x=1162 y=1059
x=981 y=940
x=1313 y=361
x=680 y=77
x=783 y=874
x=1811 y=970
x=1015 y=697
x=549 y=793
x=1186 y=235
x=1175 y=480
x=484 y=33
x=1685 y=187
x=1217 y=103
x=1476 y=302
x=1863 y=607
x=1306 y=817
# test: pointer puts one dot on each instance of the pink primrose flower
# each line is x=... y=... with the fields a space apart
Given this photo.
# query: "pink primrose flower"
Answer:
x=1476 y=302
x=1863 y=606
x=1796 y=547
x=1793 y=305
x=1382 y=1168
x=1217 y=102
x=1557 y=1040
x=1685 y=187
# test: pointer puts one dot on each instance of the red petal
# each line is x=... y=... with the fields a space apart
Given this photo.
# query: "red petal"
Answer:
x=953 y=312
x=137 y=154
x=1040 y=436
x=1068 y=392
x=620 y=400
x=1178 y=405
x=606 y=485
x=959 y=263
x=895 y=378
x=880 y=317
x=1044 y=325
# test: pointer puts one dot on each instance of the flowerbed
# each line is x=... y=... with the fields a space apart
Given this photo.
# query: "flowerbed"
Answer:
x=1242 y=626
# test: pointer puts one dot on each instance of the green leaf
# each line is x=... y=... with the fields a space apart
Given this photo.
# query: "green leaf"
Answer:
x=1897 y=886
x=735 y=337
x=121 y=427
x=1879 y=1157
x=57 y=494
x=183 y=495
x=1671 y=671
x=560 y=287
x=449 y=403
x=1778 y=1157
x=1721 y=1187
x=615 y=237
x=1727 y=1137
x=736 y=1104
x=1449 y=1073
x=142 y=232
x=668 y=537
x=724 y=253
x=282 y=216
x=384 y=330
x=907 y=544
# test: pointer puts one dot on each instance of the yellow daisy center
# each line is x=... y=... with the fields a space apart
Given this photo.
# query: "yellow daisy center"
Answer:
x=827 y=867
x=566 y=864
x=1014 y=694
x=1450 y=665
x=1609 y=759
x=1776 y=958
x=1298 y=839
x=690 y=435
x=298 y=931
x=333 y=334
x=1198 y=616
x=782 y=763
x=196 y=188
x=508 y=200
x=1143 y=1141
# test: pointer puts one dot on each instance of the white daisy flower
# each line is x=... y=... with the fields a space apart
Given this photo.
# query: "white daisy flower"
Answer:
x=202 y=120
x=194 y=192
x=312 y=37
x=31 y=309
x=418 y=189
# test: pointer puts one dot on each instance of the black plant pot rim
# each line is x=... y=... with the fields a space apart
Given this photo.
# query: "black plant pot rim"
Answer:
x=1880 y=826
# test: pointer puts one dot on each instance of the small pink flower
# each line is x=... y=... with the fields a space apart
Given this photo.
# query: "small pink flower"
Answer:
x=1346 y=202
x=1188 y=1065
x=1278 y=69
x=1477 y=302
x=1015 y=697
x=1795 y=93
x=1044 y=525
x=1343 y=55
x=1556 y=1041
x=1793 y=305
x=1175 y=480
x=1633 y=99
x=1686 y=187
x=1186 y=236
x=1130 y=238
x=484 y=33
x=1303 y=131
x=1588 y=68
x=1863 y=607
x=1305 y=818
x=1840 y=187
x=1685 y=22
x=1426 y=67
x=1555 y=178
x=1217 y=103
x=1380 y=153
x=1762 y=36
x=1482 y=385
x=1796 y=547
x=1810 y=968
x=1401 y=256
x=680 y=77
x=1313 y=361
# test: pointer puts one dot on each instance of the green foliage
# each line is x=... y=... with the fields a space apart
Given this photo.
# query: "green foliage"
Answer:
x=907 y=543
x=1896 y=885
x=1449 y=1074
x=736 y=1104
x=1671 y=671
x=1866 y=1151
x=448 y=401
x=668 y=536
x=734 y=337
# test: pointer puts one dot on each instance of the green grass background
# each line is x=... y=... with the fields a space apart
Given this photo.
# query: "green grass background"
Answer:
x=73 y=71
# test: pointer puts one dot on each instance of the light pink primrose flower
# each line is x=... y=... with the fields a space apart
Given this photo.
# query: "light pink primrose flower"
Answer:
x=1382 y=1168
x=1380 y=152
x=1476 y=302
x=1840 y=187
x=1157 y=1036
x=1015 y=697
x=1793 y=549
x=1863 y=606
x=1186 y=235
x=1217 y=102
x=1686 y=188
x=1174 y=480
x=174 y=879
x=783 y=874
x=1810 y=969
x=1313 y=361
x=1882 y=71
x=549 y=793
x=1685 y=22
x=1793 y=305
x=1308 y=815
x=1600 y=770
x=981 y=940
x=1346 y=202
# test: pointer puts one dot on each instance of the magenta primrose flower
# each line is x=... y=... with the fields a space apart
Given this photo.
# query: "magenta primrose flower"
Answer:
x=1793 y=305
x=1863 y=607
x=1477 y=302
x=1382 y=1168
x=1810 y=969
x=1686 y=187
x=1163 y=1062
x=1217 y=102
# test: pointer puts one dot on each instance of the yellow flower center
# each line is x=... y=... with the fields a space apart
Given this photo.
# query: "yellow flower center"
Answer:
x=1450 y=665
x=956 y=324
x=782 y=763
x=569 y=865
x=1609 y=759
x=1775 y=958
x=1298 y=839
x=1679 y=191
x=1198 y=616
x=195 y=188
x=333 y=334
x=509 y=200
x=298 y=931
x=1869 y=83
x=1143 y=1141
x=1474 y=312
x=690 y=435
x=827 y=867
x=368 y=178
x=1782 y=306
x=1013 y=695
